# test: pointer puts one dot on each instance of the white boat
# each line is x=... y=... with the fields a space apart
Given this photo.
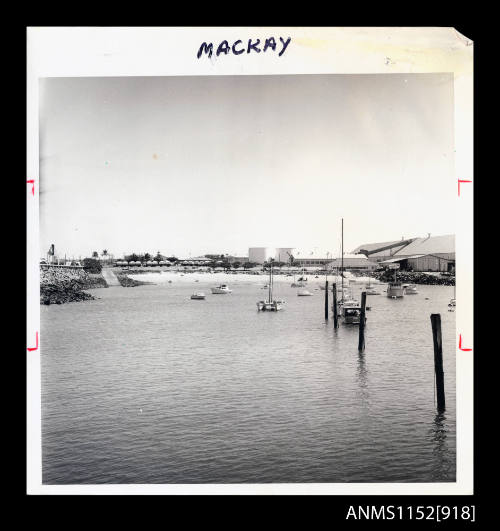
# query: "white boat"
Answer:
x=410 y=289
x=453 y=302
x=198 y=296
x=303 y=293
x=395 y=289
x=222 y=289
x=270 y=305
x=371 y=290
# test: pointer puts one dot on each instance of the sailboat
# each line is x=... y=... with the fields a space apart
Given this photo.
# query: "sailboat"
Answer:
x=348 y=307
x=270 y=305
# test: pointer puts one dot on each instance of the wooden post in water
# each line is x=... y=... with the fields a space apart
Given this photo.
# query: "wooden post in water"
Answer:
x=362 y=319
x=335 y=316
x=326 y=300
x=438 y=360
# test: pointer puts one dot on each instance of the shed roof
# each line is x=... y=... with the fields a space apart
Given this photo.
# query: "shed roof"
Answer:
x=372 y=246
x=400 y=259
x=430 y=245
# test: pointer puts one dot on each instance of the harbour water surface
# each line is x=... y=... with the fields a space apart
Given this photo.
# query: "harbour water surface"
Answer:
x=145 y=385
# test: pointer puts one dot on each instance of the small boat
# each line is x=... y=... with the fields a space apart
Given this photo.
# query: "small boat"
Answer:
x=199 y=296
x=372 y=291
x=221 y=289
x=269 y=306
x=395 y=289
x=298 y=285
x=351 y=314
x=303 y=293
x=410 y=289
x=453 y=302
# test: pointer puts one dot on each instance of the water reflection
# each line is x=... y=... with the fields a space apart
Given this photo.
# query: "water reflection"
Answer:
x=362 y=376
x=443 y=468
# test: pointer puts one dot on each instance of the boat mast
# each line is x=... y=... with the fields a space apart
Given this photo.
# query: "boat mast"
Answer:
x=342 y=260
x=271 y=281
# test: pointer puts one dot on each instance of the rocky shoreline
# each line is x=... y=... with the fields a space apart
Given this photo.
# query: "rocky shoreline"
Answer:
x=60 y=287
x=70 y=290
x=415 y=278
x=127 y=282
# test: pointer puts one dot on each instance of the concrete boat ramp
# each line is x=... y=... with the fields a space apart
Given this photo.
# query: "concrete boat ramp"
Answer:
x=110 y=277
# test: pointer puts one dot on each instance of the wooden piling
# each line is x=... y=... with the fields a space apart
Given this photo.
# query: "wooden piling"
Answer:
x=335 y=316
x=438 y=360
x=326 y=300
x=362 y=319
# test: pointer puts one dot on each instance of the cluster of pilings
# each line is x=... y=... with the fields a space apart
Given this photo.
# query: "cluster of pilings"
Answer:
x=436 y=335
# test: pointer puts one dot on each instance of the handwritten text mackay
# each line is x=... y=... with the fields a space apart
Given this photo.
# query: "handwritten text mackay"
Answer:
x=238 y=47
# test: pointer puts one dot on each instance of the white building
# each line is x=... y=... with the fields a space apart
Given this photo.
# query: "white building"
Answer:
x=283 y=254
x=259 y=255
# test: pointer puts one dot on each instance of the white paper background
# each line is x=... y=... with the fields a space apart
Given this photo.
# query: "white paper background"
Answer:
x=66 y=52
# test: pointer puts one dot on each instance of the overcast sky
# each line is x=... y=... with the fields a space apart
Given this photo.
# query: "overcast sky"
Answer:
x=194 y=165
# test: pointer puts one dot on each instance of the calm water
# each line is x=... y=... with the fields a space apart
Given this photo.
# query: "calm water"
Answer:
x=148 y=386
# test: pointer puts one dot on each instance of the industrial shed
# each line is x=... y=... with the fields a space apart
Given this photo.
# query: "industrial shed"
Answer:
x=433 y=253
x=354 y=262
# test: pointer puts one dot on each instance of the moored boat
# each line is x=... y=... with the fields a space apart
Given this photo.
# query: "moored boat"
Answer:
x=410 y=289
x=395 y=290
x=198 y=296
x=270 y=305
x=372 y=291
x=221 y=289
x=303 y=293
x=351 y=314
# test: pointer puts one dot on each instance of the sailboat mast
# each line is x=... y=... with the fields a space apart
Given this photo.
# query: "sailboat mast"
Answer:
x=342 y=260
x=271 y=282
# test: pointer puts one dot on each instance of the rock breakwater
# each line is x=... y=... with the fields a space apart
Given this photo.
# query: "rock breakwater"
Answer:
x=415 y=278
x=128 y=282
x=60 y=286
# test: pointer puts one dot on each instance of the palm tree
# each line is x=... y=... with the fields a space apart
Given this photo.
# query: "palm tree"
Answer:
x=104 y=253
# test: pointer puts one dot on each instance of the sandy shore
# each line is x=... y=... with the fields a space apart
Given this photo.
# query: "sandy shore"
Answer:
x=232 y=278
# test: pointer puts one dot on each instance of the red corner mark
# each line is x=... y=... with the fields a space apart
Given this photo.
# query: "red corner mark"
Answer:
x=32 y=182
x=461 y=181
x=459 y=344
x=34 y=348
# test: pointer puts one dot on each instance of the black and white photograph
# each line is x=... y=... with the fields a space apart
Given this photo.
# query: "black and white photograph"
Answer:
x=248 y=279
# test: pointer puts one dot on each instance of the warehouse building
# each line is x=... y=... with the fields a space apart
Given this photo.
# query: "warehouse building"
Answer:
x=320 y=260
x=429 y=254
x=353 y=262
